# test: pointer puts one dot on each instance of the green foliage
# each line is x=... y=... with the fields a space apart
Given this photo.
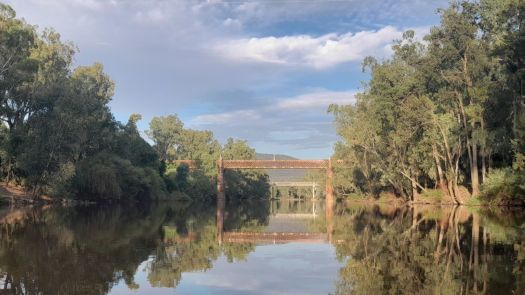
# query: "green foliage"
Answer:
x=432 y=195
x=503 y=185
x=108 y=176
x=474 y=202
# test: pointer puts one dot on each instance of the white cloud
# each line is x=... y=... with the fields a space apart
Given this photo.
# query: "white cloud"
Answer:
x=317 y=100
x=227 y=117
x=304 y=50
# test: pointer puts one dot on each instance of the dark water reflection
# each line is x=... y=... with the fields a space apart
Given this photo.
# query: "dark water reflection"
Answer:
x=156 y=248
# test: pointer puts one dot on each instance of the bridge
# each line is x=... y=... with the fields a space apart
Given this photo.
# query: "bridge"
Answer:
x=271 y=164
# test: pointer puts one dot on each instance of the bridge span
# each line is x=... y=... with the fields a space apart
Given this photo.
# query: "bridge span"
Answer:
x=272 y=164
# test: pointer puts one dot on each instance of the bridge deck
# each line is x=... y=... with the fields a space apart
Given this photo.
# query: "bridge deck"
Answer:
x=266 y=164
x=275 y=164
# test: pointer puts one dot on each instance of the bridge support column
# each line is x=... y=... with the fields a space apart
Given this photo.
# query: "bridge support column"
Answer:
x=220 y=177
x=329 y=187
x=329 y=200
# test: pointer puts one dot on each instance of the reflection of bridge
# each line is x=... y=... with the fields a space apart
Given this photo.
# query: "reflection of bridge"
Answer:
x=272 y=237
x=241 y=237
x=251 y=237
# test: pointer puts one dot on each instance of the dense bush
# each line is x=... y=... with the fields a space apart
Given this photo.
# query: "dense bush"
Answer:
x=108 y=176
x=502 y=185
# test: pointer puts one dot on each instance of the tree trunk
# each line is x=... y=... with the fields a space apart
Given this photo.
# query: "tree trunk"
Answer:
x=474 y=174
x=441 y=178
x=490 y=162
x=414 y=188
x=8 y=172
x=483 y=166
x=483 y=153
x=452 y=184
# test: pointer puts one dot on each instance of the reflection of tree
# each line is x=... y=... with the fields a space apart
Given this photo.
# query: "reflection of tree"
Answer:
x=172 y=260
x=198 y=253
x=425 y=251
x=86 y=250
x=77 y=251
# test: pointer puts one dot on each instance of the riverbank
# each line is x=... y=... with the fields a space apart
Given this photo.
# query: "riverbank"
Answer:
x=16 y=195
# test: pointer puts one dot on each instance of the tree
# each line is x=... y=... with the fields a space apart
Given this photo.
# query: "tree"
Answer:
x=461 y=67
x=387 y=125
x=166 y=133
x=441 y=113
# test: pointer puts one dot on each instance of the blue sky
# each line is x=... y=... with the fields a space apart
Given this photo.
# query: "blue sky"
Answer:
x=264 y=71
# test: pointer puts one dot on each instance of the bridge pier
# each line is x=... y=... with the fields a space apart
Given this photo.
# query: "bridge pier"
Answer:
x=329 y=187
x=329 y=202
x=220 y=176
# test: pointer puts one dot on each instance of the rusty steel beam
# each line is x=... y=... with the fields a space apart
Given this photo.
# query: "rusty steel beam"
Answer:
x=275 y=164
x=266 y=164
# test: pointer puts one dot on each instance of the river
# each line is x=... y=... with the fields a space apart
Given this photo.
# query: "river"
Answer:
x=261 y=247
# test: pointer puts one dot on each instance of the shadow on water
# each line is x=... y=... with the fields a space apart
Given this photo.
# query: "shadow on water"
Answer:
x=408 y=250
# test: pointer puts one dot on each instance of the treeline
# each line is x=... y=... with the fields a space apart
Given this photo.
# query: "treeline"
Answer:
x=59 y=138
x=173 y=142
x=444 y=117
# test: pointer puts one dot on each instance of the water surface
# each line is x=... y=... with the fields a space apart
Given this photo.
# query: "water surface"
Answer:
x=285 y=247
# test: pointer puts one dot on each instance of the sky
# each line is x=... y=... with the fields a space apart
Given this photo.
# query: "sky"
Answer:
x=264 y=71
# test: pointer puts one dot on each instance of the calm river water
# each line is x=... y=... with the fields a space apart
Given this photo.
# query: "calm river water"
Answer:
x=286 y=247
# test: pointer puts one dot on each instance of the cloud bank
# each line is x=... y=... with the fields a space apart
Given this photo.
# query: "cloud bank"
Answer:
x=316 y=52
